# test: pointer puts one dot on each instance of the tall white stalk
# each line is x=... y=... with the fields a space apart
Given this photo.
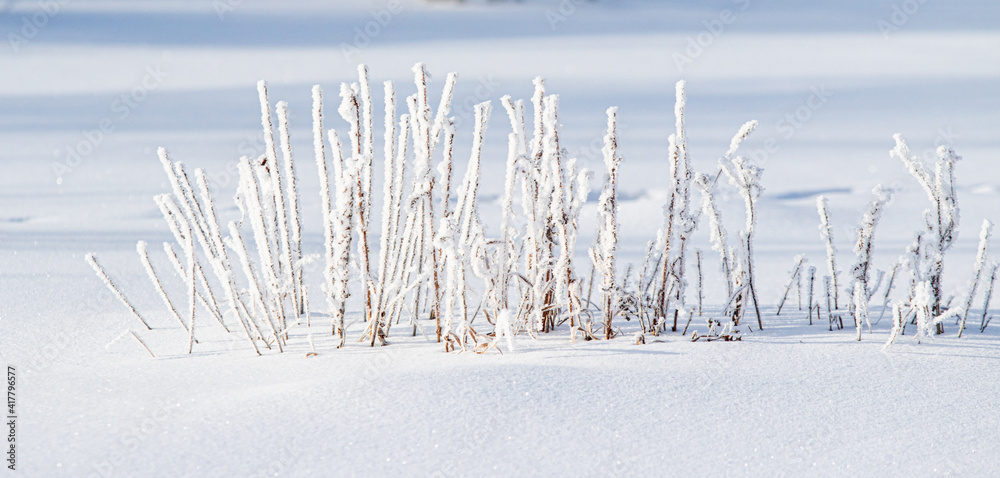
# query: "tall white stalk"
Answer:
x=942 y=219
x=387 y=237
x=192 y=285
x=604 y=254
x=468 y=193
x=208 y=303
x=293 y=226
x=861 y=308
x=516 y=154
x=195 y=221
x=326 y=203
x=745 y=176
x=984 y=244
x=220 y=260
x=270 y=182
x=256 y=290
x=863 y=247
x=253 y=198
x=338 y=273
x=796 y=273
x=717 y=232
x=140 y=248
x=826 y=232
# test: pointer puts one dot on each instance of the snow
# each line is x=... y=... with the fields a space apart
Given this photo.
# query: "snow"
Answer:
x=86 y=102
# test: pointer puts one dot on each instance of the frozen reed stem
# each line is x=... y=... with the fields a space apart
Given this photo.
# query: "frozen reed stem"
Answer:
x=812 y=280
x=604 y=254
x=942 y=218
x=358 y=166
x=211 y=307
x=796 y=272
x=984 y=242
x=274 y=210
x=140 y=248
x=861 y=308
x=294 y=226
x=863 y=247
x=237 y=244
x=326 y=205
x=717 y=233
x=826 y=233
x=92 y=260
x=338 y=272
x=745 y=176
x=387 y=238
x=468 y=192
x=192 y=284
x=989 y=295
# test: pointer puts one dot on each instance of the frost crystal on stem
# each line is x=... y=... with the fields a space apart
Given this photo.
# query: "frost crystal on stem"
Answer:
x=604 y=253
x=826 y=232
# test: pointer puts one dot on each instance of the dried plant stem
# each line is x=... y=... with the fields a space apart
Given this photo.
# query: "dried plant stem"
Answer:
x=812 y=280
x=273 y=197
x=826 y=232
x=192 y=291
x=604 y=254
x=250 y=186
x=151 y=272
x=987 y=297
x=204 y=298
x=219 y=260
x=387 y=239
x=861 y=308
x=717 y=233
x=141 y=342
x=888 y=290
x=942 y=218
x=898 y=324
x=294 y=223
x=195 y=222
x=984 y=241
x=92 y=260
x=326 y=204
x=863 y=248
x=398 y=273
x=796 y=272
x=701 y=294
x=338 y=272
x=256 y=291
x=829 y=311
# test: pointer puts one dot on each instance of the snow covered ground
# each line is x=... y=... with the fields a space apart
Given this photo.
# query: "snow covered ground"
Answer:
x=91 y=89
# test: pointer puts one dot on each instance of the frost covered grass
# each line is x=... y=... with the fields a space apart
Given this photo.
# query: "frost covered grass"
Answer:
x=794 y=399
x=431 y=259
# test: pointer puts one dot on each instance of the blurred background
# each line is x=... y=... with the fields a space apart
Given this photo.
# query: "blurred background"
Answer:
x=90 y=89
